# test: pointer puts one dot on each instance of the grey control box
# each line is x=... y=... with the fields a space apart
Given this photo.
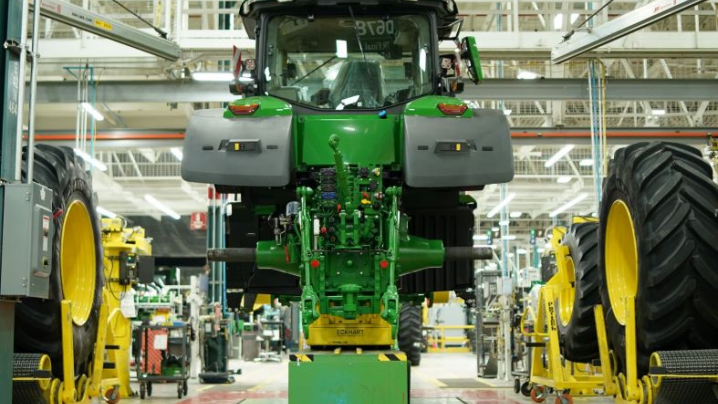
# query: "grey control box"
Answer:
x=27 y=232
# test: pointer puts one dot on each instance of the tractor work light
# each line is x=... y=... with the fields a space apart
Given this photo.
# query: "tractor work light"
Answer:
x=452 y=109
x=244 y=109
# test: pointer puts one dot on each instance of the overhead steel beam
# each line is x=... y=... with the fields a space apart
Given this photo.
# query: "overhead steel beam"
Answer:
x=89 y=21
x=582 y=42
x=168 y=91
x=124 y=139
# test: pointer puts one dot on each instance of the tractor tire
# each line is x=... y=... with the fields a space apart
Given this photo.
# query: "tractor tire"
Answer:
x=658 y=233
x=409 y=335
x=577 y=328
x=38 y=321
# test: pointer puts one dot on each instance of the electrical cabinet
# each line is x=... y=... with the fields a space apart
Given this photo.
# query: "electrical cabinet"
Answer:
x=27 y=233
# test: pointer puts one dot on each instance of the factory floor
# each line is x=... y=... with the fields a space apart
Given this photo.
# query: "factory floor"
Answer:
x=440 y=379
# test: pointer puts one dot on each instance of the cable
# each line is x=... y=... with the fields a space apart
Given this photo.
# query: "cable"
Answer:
x=573 y=30
x=162 y=33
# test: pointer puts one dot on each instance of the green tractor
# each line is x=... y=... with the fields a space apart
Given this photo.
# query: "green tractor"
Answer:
x=350 y=155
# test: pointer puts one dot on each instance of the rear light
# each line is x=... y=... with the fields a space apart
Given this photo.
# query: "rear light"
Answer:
x=243 y=109
x=452 y=109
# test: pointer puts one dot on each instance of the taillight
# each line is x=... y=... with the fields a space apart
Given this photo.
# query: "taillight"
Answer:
x=243 y=109
x=452 y=109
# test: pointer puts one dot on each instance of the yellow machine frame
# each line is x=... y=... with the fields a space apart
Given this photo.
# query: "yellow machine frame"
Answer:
x=550 y=370
x=86 y=387
x=117 y=238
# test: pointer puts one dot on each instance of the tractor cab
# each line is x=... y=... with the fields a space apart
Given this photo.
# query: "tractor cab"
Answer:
x=350 y=55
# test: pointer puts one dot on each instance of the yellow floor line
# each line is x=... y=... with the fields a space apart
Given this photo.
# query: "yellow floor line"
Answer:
x=264 y=383
x=205 y=388
x=428 y=379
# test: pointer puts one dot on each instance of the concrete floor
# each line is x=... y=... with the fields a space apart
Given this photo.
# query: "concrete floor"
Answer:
x=431 y=383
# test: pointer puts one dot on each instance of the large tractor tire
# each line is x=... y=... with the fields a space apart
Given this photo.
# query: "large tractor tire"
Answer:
x=409 y=335
x=576 y=322
x=658 y=243
x=77 y=271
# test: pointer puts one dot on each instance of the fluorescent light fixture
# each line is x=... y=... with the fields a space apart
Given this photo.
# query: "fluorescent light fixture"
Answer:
x=342 y=49
x=95 y=113
x=559 y=155
x=504 y=223
x=527 y=75
x=585 y=163
x=569 y=204
x=507 y=112
x=495 y=229
x=91 y=160
x=493 y=247
x=564 y=179
x=501 y=204
x=573 y=18
x=177 y=152
x=160 y=206
x=478 y=237
x=521 y=251
x=509 y=237
x=515 y=214
x=558 y=21
x=212 y=76
x=658 y=112
x=105 y=212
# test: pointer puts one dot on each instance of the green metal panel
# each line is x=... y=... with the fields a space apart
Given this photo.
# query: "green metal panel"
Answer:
x=366 y=139
x=10 y=30
x=7 y=330
x=348 y=378
x=428 y=106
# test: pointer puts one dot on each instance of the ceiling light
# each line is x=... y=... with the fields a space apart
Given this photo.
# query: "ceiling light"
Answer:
x=105 y=212
x=569 y=204
x=515 y=214
x=177 y=152
x=585 y=163
x=563 y=179
x=501 y=204
x=212 y=76
x=658 y=111
x=556 y=157
x=509 y=237
x=96 y=114
x=478 y=237
x=160 y=206
x=504 y=223
x=93 y=161
x=507 y=112
x=557 y=21
x=526 y=75
x=495 y=229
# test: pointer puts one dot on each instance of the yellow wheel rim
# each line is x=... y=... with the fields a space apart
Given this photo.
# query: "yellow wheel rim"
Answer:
x=621 y=255
x=77 y=261
x=568 y=293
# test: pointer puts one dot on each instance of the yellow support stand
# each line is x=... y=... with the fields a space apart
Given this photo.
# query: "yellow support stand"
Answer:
x=116 y=239
x=548 y=368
